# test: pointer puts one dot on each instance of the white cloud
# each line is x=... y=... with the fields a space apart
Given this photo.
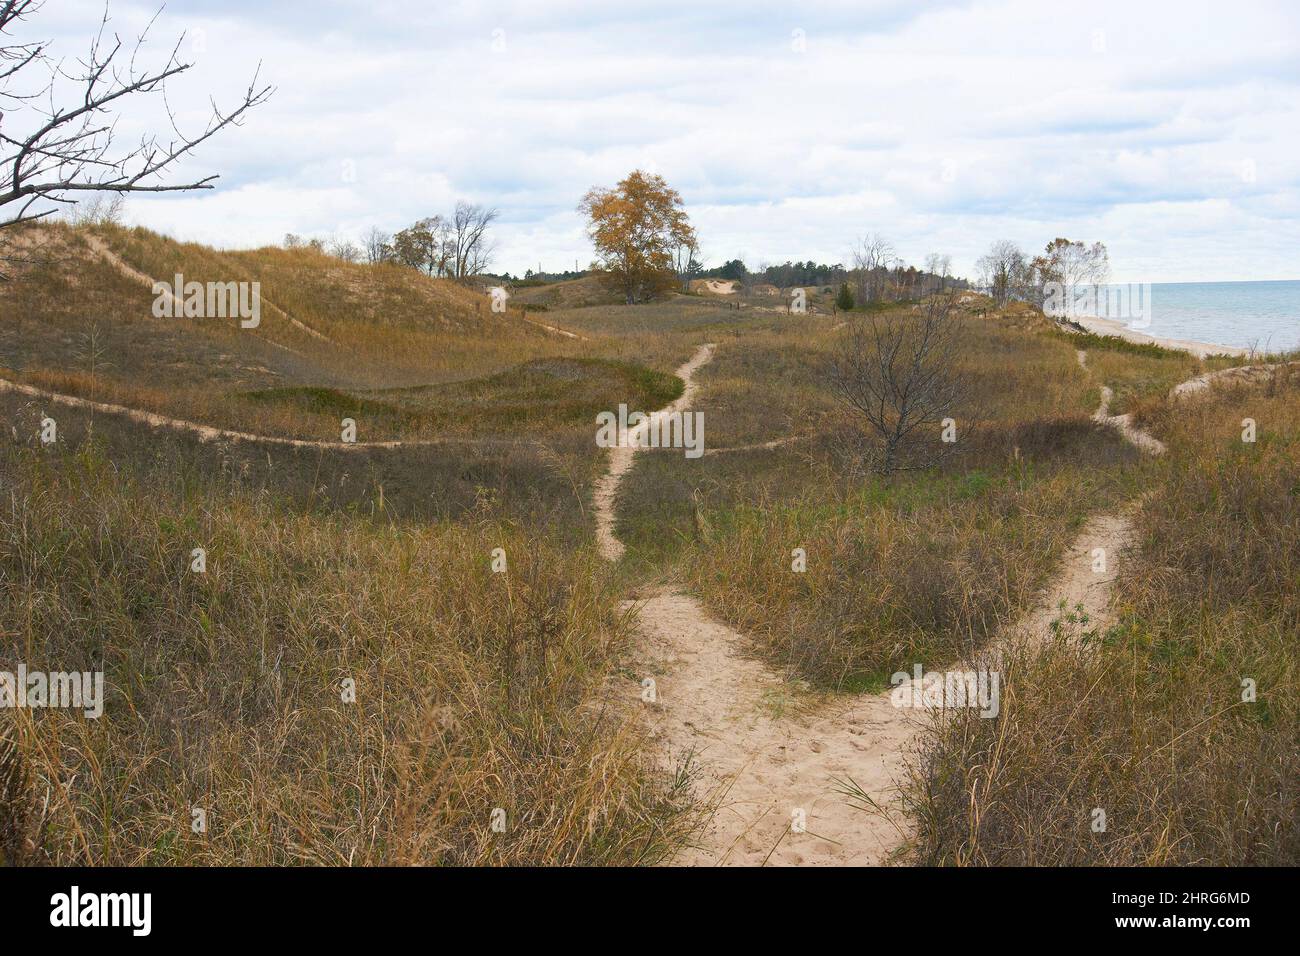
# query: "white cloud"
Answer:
x=943 y=126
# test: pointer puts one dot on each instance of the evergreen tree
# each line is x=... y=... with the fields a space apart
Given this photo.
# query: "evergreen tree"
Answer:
x=844 y=301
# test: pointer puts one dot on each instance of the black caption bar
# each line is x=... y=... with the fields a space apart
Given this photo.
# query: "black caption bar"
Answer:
x=143 y=906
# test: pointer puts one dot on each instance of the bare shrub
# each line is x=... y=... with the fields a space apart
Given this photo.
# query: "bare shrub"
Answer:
x=897 y=372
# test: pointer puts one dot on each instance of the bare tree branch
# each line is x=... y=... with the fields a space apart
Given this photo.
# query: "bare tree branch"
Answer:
x=70 y=148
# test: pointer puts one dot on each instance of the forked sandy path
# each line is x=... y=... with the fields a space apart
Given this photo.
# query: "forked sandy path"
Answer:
x=771 y=763
x=1144 y=441
x=774 y=761
x=773 y=775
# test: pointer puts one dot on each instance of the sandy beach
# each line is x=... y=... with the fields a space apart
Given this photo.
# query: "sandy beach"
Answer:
x=1199 y=349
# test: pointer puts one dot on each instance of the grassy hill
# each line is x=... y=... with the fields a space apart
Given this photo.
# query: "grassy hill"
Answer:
x=322 y=319
x=520 y=691
x=569 y=294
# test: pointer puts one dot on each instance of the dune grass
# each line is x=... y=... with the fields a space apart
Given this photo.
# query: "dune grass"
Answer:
x=473 y=690
x=478 y=691
x=1180 y=724
x=914 y=567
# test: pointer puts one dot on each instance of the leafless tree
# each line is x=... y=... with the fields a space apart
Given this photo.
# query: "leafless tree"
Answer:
x=872 y=258
x=686 y=260
x=471 y=251
x=378 y=246
x=898 y=372
x=57 y=127
x=344 y=249
x=937 y=266
x=1004 y=272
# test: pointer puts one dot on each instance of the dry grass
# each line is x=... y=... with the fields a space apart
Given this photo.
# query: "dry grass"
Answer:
x=919 y=567
x=1138 y=373
x=385 y=326
x=1150 y=724
x=478 y=691
x=474 y=690
x=570 y=294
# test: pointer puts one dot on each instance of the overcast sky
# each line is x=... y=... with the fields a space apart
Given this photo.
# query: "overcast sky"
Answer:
x=1168 y=130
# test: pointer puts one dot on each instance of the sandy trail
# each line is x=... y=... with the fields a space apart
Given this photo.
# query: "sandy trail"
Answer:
x=620 y=458
x=209 y=433
x=775 y=763
x=773 y=774
x=1237 y=375
x=758 y=446
x=1124 y=425
x=772 y=759
x=1084 y=581
x=555 y=329
x=1143 y=441
x=762 y=766
x=101 y=249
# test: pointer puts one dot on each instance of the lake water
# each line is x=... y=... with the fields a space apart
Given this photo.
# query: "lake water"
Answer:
x=1245 y=314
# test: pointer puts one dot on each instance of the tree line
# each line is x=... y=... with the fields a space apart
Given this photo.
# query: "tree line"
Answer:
x=875 y=273
x=452 y=247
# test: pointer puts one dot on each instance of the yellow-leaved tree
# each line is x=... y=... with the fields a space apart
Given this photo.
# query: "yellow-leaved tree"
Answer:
x=638 y=227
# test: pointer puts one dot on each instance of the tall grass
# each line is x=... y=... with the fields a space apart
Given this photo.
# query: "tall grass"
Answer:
x=1153 y=724
x=474 y=690
x=911 y=568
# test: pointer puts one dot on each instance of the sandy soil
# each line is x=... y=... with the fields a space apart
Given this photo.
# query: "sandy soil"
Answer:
x=714 y=286
x=1199 y=349
x=1124 y=425
x=765 y=755
x=1079 y=583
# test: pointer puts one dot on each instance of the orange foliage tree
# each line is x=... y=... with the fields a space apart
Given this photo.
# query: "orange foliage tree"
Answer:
x=636 y=228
